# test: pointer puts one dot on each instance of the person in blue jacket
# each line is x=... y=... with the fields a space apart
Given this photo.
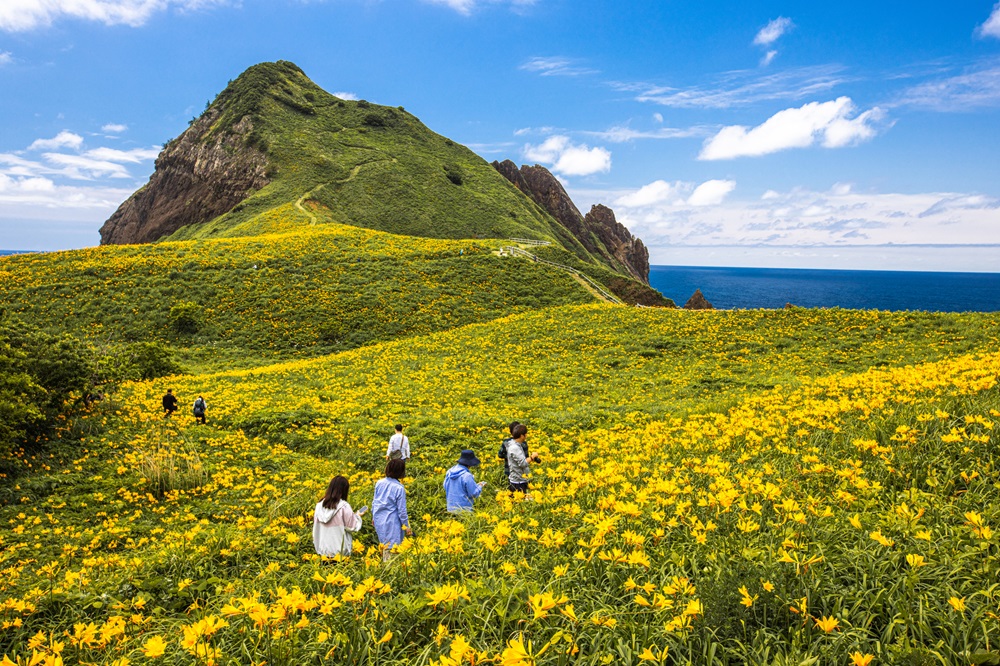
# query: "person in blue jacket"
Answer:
x=460 y=487
x=389 y=515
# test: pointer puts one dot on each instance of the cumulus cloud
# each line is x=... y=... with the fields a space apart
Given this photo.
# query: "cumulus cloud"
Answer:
x=6 y=57
x=22 y=15
x=991 y=28
x=346 y=95
x=677 y=194
x=569 y=159
x=114 y=128
x=556 y=66
x=466 y=7
x=711 y=192
x=657 y=192
x=828 y=123
x=64 y=139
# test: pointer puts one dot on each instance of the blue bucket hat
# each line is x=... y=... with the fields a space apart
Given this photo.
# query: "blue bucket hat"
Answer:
x=468 y=458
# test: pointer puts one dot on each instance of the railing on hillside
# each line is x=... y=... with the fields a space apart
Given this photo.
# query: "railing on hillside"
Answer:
x=569 y=269
x=529 y=241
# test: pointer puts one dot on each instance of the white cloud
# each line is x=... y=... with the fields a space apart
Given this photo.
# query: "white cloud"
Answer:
x=21 y=15
x=711 y=192
x=134 y=156
x=114 y=128
x=768 y=58
x=79 y=167
x=6 y=57
x=828 y=123
x=658 y=117
x=555 y=66
x=802 y=221
x=466 y=7
x=741 y=88
x=992 y=26
x=64 y=139
x=346 y=95
x=623 y=134
x=22 y=197
x=772 y=31
x=975 y=88
x=676 y=194
x=657 y=192
x=569 y=159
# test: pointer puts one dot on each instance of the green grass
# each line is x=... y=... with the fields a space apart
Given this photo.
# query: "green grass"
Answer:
x=279 y=296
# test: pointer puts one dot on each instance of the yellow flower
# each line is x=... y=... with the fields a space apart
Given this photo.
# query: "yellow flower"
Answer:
x=858 y=659
x=827 y=624
x=386 y=637
x=957 y=604
x=542 y=603
x=154 y=647
x=516 y=654
x=915 y=561
x=768 y=586
x=747 y=600
x=447 y=593
x=648 y=655
x=877 y=535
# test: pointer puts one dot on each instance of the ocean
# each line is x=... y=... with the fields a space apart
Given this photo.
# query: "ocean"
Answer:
x=732 y=288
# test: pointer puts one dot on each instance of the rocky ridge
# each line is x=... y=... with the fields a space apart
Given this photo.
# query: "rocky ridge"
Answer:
x=598 y=231
x=198 y=176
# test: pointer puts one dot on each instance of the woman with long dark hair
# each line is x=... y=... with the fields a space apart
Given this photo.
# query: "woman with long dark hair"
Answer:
x=334 y=520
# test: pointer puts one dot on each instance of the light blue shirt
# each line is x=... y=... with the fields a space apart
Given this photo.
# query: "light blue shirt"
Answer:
x=460 y=488
x=389 y=511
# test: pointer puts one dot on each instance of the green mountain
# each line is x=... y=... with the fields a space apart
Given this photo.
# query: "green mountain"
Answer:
x=273 y=138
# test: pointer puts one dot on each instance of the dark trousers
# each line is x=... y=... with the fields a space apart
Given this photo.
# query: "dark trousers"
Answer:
x=519 y=487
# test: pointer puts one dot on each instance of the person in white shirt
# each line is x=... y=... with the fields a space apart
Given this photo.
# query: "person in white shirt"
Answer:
x=399 y=446
x=334 y=521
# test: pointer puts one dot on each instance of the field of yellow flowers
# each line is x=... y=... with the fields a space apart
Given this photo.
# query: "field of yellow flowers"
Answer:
x=791 y=487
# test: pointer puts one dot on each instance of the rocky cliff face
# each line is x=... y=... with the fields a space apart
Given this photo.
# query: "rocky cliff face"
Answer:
x=599 y=232
x=198 y=176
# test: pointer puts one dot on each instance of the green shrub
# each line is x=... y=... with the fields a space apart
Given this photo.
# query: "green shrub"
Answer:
x=186 y=317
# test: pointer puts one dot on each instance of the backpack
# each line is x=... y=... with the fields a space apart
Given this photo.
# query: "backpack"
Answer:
x=502 y=453
x=199 y=407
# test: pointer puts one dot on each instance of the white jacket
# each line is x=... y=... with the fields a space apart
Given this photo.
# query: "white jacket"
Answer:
x=332 y=529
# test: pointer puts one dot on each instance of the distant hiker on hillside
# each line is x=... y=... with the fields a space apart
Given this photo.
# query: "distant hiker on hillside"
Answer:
x=460 y=487
x=199 y=409
x=518 y=459
x=169 y=403
x=502 y=453
x=334 y=521
x=399 y=446
x=389 y=508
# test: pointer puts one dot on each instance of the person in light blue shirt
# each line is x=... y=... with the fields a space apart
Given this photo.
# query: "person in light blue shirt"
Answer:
x=460 y=487
x=389 y=508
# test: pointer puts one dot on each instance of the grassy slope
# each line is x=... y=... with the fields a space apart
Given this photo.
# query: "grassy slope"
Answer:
x=811 y=453
x=281 y=295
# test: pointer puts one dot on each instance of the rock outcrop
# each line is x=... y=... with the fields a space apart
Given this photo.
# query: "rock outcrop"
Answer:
x=698 y=302
x=599 y=232
x=199 y=176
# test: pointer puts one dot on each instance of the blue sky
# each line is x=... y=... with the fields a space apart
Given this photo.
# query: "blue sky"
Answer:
x=828 y=135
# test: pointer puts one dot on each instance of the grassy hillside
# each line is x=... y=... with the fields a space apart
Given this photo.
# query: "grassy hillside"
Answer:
x=372 y=166
x=278 y=294
x=729 y=488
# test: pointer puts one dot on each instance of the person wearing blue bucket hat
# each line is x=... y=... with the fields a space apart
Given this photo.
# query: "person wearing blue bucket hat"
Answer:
x=460 y=487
